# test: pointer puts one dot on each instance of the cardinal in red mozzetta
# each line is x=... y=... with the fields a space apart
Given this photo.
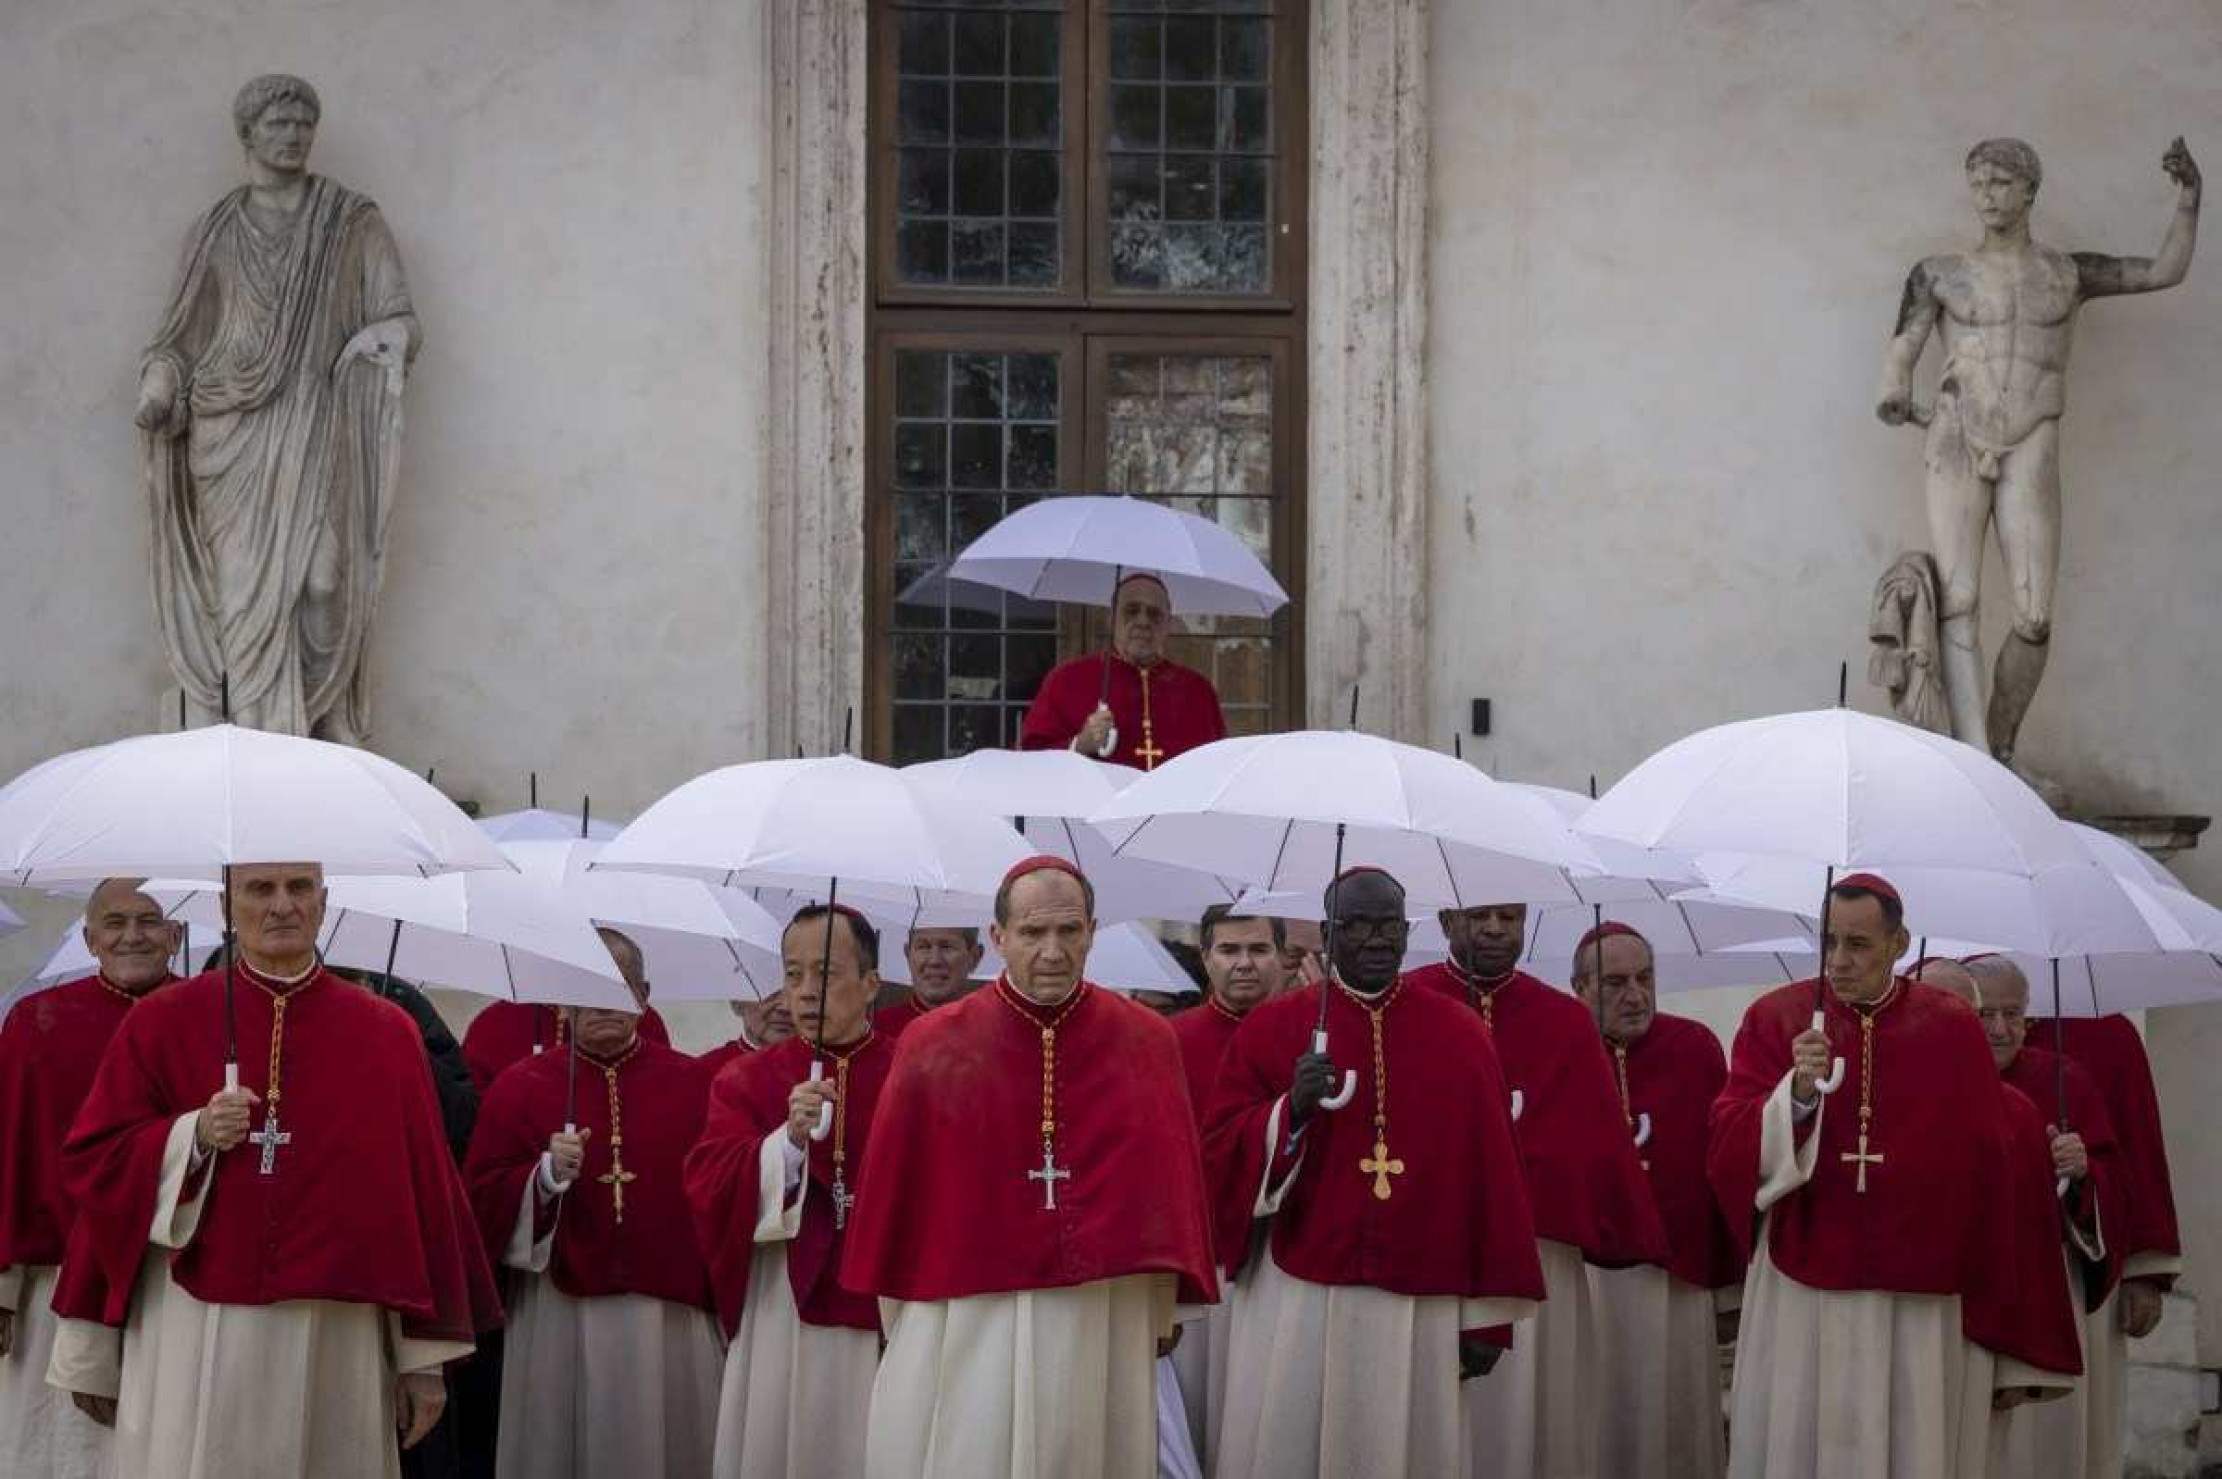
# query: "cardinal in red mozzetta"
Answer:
x=772 y=1202
x=49 y=1047
x=1033 y=1202
x=1387 y=1233
x=300 y=1244
x=762 y=1024
x=1132 y=704
x=505 y=1031
x=575 y=1174
x=2082 y=1432
x=941 y=962
x=1868 y=1212
x=1660 y=1325
x=1586 y=1187
x=1244 y=966
x=2146 y=1239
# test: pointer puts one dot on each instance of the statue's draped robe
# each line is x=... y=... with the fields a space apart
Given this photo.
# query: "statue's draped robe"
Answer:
x=282 y=466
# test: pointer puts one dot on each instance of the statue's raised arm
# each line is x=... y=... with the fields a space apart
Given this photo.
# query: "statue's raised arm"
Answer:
x=2102 y=276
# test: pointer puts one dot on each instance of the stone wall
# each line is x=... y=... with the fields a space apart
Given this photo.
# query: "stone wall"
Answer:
x=577 y=575
x=1667 y=242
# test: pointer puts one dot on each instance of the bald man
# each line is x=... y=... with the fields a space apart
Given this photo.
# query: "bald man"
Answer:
x=49 y=1048
x=2080 y=1436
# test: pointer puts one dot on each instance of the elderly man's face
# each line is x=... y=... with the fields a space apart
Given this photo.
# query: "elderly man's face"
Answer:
x=277 y=910
x=828 y=996
x=281 y=138
x=767 y=1021
x=1046 y=940
x=1304 y=952
x=2004 y=1008
x=2002 y=197
x=1631 y=989
x=941 y=963
x=1140 y=622
x=1487 y=939
x=128 y=934
x=603 y=1031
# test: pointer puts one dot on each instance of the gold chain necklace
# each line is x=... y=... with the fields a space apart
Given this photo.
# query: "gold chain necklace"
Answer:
x=1861 y=1158
x=1049 y=1173
x=1380 y=1166
x=271 y=1136
x=616 y=1176
x=842 y=1199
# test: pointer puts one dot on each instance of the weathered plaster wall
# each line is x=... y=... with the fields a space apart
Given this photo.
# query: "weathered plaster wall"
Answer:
x=1667 y=242
x=577 y=574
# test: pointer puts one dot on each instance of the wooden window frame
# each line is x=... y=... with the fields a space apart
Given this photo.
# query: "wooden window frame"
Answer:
x=1083 y=321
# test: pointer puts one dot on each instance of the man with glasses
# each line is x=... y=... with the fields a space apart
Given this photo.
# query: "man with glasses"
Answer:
x=1389 y=1232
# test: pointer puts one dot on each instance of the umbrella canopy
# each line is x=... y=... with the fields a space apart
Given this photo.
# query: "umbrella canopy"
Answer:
x=2096 y=985
x=697 y=942
x=1834 y=788
x=2181 y=920
x=1277 y=810
x=1049 y=794
x=1078 y=547
x=491 y=934
x=537 y=824
x=1632 y=874
x=190 y=803
x=803 y=825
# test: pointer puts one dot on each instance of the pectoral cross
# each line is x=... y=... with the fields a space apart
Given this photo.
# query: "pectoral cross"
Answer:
x=1049 y=1175
x=615 y=1178
x=270 y=1137
x=1382 y=1168
x=1147 y=752
x=843 y=1199
x=1864 y=1159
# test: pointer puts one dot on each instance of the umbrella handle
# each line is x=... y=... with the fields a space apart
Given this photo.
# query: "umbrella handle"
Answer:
x=1519 y=1105
x=825 y=1110
x=1835 y=1080
x=1110 y=745
x=1349 y=1087
x=231 y=1075
x=2060 y=1189
x=1643 y=1129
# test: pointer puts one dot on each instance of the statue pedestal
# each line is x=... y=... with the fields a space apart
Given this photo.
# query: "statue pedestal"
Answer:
x=2161 y=835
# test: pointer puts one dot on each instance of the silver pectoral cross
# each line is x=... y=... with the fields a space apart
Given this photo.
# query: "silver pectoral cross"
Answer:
x=843 y=1199
x=1049 y=1175
x=270 y=1137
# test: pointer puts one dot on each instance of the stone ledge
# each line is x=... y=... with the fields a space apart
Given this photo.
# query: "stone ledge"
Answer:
x=2161 y=835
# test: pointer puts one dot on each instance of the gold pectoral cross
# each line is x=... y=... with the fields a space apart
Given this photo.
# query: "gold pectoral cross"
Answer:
x=1381 y=1168
x=1147 y=752
x=615 y=1178
x=1864 y=1160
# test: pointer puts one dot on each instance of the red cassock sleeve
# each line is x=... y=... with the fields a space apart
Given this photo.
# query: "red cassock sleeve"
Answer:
x=365 y=1204
x=49 y=1048
x=1586 y=1185
x=1183 y=708
x=2097 y=1200
x=1456 y=1220
x=1675 y=1071
x=2112 y=1050
x=651 y=1249
x=2032 y=1316
x=949 y=1209
x=748 y=1103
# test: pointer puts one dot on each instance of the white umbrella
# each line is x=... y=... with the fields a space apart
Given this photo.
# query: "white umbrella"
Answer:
x=2182 y=920
x=1804 y=795
x=1078 y=547
x=1048 y=794
x=10 y=921
x=2096 y=985
x=837 y=822
x=1293 y=811
x=697 y=942
x=189 y=803
x=536 y=824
